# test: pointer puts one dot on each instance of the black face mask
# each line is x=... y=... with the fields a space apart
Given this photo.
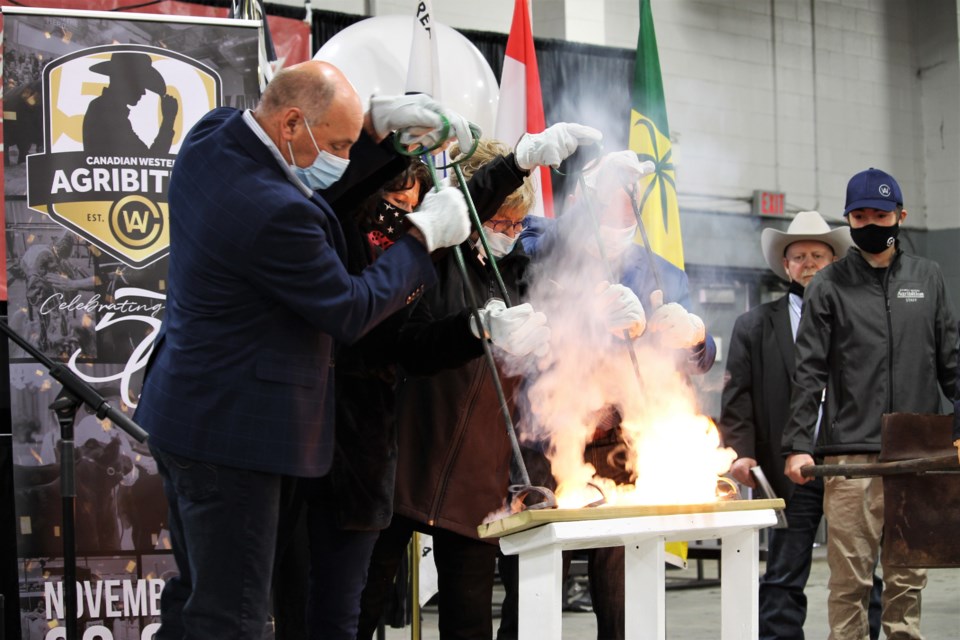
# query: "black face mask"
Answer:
x=385 y=224
x=875 y=239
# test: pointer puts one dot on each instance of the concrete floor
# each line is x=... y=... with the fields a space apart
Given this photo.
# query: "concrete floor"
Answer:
x=694 y=614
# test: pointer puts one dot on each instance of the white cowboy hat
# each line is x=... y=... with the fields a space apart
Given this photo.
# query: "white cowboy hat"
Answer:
x=807 y=225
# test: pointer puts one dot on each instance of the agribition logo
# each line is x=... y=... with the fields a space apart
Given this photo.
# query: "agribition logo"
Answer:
x=114 y=117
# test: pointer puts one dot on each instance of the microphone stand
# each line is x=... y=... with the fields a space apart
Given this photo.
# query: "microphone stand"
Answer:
x=74 y=392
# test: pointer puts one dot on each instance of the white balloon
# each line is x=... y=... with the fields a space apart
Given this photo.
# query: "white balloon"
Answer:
x=374 y=54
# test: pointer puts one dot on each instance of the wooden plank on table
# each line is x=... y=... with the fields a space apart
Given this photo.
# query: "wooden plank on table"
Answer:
x=539 y=517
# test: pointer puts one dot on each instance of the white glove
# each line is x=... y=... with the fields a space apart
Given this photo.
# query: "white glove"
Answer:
x=554 y=145
x=519 y=330
x=676 y=327
x=615 y=171
x=442 y=218
x=417 y=118
x=622 y=310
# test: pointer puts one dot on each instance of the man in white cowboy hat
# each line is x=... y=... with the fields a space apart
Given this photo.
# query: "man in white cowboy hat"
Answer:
x=106 y=124
x=756 y=398
x=880 y=334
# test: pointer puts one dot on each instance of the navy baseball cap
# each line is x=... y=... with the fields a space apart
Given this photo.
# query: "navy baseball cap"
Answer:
x=873 y=189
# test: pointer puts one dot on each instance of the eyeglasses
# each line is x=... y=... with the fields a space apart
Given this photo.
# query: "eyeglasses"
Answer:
x=503 y=225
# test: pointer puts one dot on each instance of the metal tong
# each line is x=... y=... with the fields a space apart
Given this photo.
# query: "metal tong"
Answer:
x=518 y=492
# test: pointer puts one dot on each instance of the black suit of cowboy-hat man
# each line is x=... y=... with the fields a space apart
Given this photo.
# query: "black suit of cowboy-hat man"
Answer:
x=106 y=125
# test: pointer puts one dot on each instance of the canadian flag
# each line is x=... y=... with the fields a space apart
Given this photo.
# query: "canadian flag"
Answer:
x=521 y=104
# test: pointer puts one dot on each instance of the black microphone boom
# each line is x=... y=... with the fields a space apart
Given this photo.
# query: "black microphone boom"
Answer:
x=83 y=391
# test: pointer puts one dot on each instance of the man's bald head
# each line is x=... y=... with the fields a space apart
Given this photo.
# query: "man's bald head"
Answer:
x=310 y=86
x=318 y=92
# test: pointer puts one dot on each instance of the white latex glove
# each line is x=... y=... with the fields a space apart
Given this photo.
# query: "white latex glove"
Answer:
x=554 y=145
x=442 y=218
x=417 y=118
x=622 y=309
x=519 y=330
x=616 y=171
x=676 y=327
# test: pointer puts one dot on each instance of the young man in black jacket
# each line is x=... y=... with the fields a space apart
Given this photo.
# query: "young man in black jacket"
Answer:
x=755 y=407
x=878 y=332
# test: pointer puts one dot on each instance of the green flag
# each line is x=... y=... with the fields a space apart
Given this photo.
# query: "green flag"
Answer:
x=650 y=139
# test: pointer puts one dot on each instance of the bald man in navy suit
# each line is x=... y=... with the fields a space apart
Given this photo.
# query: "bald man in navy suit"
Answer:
x=238 y=393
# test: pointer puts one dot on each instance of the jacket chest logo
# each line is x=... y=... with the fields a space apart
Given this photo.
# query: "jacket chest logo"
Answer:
x=910 y=295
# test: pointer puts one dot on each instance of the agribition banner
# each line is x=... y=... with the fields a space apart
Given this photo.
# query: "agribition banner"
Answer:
x=96 y=106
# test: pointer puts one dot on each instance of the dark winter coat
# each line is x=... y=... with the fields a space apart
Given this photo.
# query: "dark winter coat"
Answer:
x=454 y=464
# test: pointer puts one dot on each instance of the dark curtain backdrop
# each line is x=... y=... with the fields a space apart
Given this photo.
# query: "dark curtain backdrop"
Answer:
x=580 y=83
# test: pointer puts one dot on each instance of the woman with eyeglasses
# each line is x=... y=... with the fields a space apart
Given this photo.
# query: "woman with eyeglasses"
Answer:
x=454 y=458
x=454 y=454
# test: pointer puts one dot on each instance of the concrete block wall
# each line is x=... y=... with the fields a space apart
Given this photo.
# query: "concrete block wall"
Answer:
x=785 y=95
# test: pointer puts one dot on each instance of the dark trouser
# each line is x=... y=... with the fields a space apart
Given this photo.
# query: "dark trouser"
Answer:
x=605 y=567
x=509 y=569
x=320 y=570
x=291 y=572
x=223 y=528
x=465 y=570
x=783 y=604
x=606 y=573
x=338 y=568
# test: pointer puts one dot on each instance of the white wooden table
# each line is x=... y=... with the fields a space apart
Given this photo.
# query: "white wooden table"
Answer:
x=541 y=537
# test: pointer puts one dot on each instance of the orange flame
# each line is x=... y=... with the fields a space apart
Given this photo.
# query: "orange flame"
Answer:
x=677 y=459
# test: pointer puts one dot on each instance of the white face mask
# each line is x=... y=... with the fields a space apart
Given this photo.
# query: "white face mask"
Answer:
x=615 y=241
x=500 y=243
x=325 y=170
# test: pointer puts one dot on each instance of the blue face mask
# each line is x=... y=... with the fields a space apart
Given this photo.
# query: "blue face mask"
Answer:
x=324 y=171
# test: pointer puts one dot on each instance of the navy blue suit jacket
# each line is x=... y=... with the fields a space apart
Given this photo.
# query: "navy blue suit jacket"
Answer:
x=258 y=295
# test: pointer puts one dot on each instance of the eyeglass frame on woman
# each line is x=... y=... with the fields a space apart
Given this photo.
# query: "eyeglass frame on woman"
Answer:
x=502 y=225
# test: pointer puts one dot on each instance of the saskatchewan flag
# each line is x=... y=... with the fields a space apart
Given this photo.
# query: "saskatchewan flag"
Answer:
x=650 y=139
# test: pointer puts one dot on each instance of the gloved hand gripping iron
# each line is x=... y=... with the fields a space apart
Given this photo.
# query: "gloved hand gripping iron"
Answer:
x=543 y=498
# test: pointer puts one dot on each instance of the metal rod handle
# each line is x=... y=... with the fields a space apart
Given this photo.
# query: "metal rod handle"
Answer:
x=917 y=465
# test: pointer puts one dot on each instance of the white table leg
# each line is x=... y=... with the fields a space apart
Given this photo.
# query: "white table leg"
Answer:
x=739 y=585
x=644 y=590
x=540 y=598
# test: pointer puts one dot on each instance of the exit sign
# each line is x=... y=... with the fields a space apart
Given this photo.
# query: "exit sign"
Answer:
x=768 y=203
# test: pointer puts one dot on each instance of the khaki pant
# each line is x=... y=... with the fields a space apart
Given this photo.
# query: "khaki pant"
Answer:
x=854 y=512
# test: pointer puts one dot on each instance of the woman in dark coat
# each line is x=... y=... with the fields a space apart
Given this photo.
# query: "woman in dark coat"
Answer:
x=454 y=454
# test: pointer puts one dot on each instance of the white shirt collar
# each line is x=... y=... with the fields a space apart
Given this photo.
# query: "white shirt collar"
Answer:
x=265 y=139
x=796 y=308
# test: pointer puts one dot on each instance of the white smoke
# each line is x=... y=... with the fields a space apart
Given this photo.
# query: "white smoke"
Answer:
x=590 y=369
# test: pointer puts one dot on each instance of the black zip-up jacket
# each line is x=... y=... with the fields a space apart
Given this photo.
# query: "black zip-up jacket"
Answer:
x=880 y=341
